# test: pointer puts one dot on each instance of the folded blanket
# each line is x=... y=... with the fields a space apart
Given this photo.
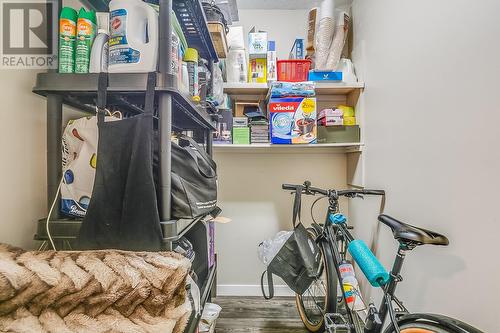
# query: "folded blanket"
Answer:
x=93 y=291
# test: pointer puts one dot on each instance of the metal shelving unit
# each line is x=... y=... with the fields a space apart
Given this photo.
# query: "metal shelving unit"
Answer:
x=174 y=111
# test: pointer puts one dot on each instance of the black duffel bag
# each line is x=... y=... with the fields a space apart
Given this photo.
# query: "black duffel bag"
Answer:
x=194 y=180
x=298 y=260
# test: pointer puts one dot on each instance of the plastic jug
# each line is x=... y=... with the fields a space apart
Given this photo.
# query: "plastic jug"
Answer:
x=133 y=42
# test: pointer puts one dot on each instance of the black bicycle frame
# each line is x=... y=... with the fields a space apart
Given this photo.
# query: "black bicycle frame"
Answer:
x=329 y=235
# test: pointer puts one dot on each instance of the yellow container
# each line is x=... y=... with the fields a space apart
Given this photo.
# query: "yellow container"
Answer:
x=349 y=121
x=348 y=111
x=191 y=55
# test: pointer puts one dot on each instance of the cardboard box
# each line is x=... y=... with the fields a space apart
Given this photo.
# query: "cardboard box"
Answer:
x=224 y=127
x=272 y=74
x=293 y=120
x=239 y=108
x=297 y=51
x=241 y=135
x=338 y=134
x=257 y=44
x=257 y=70
x=240 y=122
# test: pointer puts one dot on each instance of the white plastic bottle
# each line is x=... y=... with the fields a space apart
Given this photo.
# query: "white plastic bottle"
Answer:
x=351 y=290
x=133 y=42
x=100 y=48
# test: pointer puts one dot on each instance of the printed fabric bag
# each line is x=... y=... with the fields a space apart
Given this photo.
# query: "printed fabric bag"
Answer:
x=297 y=261
x=79 y=148
x=194 y=179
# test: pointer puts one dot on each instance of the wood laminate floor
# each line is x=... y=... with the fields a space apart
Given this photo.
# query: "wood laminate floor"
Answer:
x=255 y=314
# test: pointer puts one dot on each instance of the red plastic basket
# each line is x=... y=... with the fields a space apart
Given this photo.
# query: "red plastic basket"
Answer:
x=293 y=70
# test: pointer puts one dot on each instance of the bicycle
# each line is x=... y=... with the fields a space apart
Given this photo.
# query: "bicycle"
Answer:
x=320 y=307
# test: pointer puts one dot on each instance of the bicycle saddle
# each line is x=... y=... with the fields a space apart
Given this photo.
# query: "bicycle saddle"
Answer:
x=409 y=233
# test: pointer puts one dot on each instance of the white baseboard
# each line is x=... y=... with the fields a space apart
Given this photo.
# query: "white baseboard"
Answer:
x=251 y=290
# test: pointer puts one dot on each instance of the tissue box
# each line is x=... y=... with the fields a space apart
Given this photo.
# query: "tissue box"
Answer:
x=293 y=120
x=325 y=76
x=257 y=44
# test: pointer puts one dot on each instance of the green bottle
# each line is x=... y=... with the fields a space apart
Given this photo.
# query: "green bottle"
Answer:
x=86 y=31
x=67 y=38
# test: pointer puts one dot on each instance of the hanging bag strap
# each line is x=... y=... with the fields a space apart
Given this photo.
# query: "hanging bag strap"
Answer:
x=102 y=94
x=270 y=284
x=297 y=205
x=149 y=103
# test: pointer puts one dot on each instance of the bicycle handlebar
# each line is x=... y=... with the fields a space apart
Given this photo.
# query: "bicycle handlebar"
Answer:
x=307 y=189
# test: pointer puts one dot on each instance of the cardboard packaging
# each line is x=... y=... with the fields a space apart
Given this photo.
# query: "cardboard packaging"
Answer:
x=293 y=120
x=338 y=134
x=241 y=135
x=297 y=52
x=257 y=70
x=257 y=44
x=272 y=74
x=224 y=128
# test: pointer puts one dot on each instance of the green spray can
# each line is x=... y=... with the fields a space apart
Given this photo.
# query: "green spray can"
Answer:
x=67 y=38
x=86 y=31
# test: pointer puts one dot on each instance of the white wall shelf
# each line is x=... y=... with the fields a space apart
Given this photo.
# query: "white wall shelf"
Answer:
x=322 y=88
x=267 y=147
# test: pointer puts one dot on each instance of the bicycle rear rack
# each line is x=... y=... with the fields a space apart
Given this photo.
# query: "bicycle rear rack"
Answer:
x=336 y=322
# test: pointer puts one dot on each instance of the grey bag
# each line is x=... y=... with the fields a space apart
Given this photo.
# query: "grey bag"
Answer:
x=297 y=262
x=194 y=180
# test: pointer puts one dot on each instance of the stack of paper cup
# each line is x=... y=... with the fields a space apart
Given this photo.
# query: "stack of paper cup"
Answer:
x=339 y=39
x=325 y=32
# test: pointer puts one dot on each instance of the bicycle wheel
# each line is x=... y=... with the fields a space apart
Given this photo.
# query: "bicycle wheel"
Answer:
x=430 y=323
x=417 y=327
x=321 y=297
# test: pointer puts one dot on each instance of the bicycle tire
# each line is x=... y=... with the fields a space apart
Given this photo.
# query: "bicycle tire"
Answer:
x=427 y=326
x=331 y=288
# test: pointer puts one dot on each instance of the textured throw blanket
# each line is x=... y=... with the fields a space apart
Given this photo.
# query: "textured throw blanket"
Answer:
x=93 y=291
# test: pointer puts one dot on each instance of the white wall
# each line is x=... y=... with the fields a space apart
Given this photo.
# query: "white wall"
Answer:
x=250 y=194
x=22 y=161
x=431 y=125
x=282 y=26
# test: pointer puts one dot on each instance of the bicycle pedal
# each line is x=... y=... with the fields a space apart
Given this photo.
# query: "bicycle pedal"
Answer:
x=335 y=322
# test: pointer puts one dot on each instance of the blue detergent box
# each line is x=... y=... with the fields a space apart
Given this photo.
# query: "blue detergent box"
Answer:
x=325 y=76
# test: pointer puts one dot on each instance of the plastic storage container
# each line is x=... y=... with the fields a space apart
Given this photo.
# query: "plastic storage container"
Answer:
x=293 y=70
x=133 y=42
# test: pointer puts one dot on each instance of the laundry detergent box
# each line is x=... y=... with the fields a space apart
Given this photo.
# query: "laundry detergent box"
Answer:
x=293 y=120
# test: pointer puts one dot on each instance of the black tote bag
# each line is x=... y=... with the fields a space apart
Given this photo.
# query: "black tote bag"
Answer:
x=194 y=180
x=123 y=213
x=298 y=260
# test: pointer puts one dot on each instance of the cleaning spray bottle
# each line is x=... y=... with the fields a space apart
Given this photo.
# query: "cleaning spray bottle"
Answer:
x=86 y=29
x=67 y=37
x=100 y=48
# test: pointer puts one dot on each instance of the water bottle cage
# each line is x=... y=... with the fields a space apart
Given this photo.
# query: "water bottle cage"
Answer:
x=397 y=278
